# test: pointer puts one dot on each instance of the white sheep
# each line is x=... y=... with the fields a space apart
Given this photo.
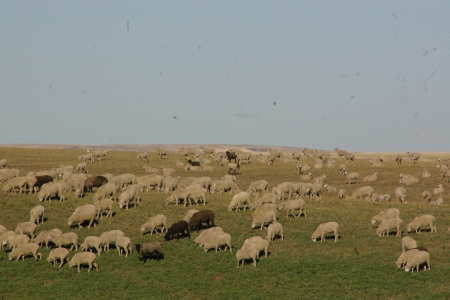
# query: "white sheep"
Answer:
x=408 y=243
x=109 y=237
x=373 y=177
x=424 y=220
x=386 y=214
x=404 y=256
x=42 y=237
x=37 y=213
x=439 y=201
x=2 y=229
x=58 y=253
x=65 y=239
x=109 y=189
x=257 y=243
x=92 y=242
x=123 y=244
x=3 y=163
x=196 y=195
x=384 y=197
x=325 y=228
x=425 y=174
x=154 y=222
x=103 y=205
x=25 y=249
x=246 y=253
x=416 y=259
x=16 y=240
x=238 y=200
x=233 y=168
x=439 y=190
x=351 y=177
x=126 y=198
x=263 y=218
x=387 y=224
x=207 y=234
x=292 y=205
x=4 y=236
x=283 y=188
x=218 y=240
x=273 y=230
x=81 y=214
x=26 y=227
x=341 y=194
x=400 y=194
x=51 y=189
x=306 y=177
x=84 y=258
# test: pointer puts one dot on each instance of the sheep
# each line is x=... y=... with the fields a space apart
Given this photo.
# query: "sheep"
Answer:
x=178 y=195
x=3 y=163
x=26 y=227
x=109 y=237
x=176 y=229
x=196 y=195
x=84 y=258
x=263 y=218
x=167 y=171
x=150 y=249
x=408 y=243
x=416 y=259
x=81 y=214
x=87 y=157
x=376 y=164
x=186 y=182
x=123 y=243
x=263 y=198
x=9 y=173
x=42 y=237
x=292 y=205
x=65 y=239
x=189 y=214
x=4 y=236
x=265 y=207
x=319 y=179
x=351 y=177
x=229 y=177
x=153 y=222
x=170 y=184
x=306 y=177
x=425 y=174
x=400 y=194
x=51 y=189
x=302 y=167
x=414 y=157
x=147 y=182
x=223 y=186
x=15 y=240
x=373 y=177
x=325 y=228
x=205 y=182
x=238 y=200
x=386 y=214
x=258 y=186
x=127 y=197
x=217 y=241
x=204 y=216
x=41 y=180
x=388 y=224
x=426 y=196
x=404 y=256
x=143 y=156
x=92 y=242
x=424 y=220
x=341 y=194
x=233 y=167
x=246 y=253
x=439 y=190
x=82 y=168
x=36 y=214
x=25 y=249
x=273 y=230
x=282 y=188
x=384 y=198
x=207 y=234
x=58 y=253
x=109 y=189
x=94 y=181
x=257 y=243
x=329 y=188
x=362 y=192
x=102 y=205
x=439 y=201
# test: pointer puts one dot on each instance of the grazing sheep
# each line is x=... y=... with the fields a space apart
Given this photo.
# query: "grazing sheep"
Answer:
x=384 y=198
x=408 y=243
x=154 y=222
x=204 y=216
x=3 y=163
x=325 y=228
x=179 y=228
x=107 y=190
x=222 y=186
x=426 y=174
x=8 y=174
x=4 y=236
x=387 y=224
x=400 y=194
x=273 y=230
x=258 y=186
x=229 y=177
x=414 y=157
x=143 y=156
x=320 y=179
x=306 y=177
x=238 y=200
x=82 y=168
x=87 y=157
x=207 y=234
x=362 y=192
x=257 y=243
x=170 y=184
x=109 y=237
x=177 y=195
x=197 y=195
x=84 y=258
x=151 y=249
x=292 y=205
x=103 y=205
x=424 y=220
x=94 y=181
x=233 y=167
x=126 y=197
x=426 y=196
x=265 y=207
x=439 y=190
x=37 y=214
x=42 y=237
x=373 y=177
x=15 y=240
x=58 y=253
x=65 y=239
x=81 y=214
x=351 y=177
x=51 y=189
x=386 y=214
x=262 y=199
x=246 y=253
x=123 y=244
x=416 y=259
x=26 y=227
x=341 y=194
x=404 y=256
x=329 y=188
x=25 y=249
x=189 y=214
x=439 y=201
x=92 y=242
x=263 y=218
x=283 y=188
x=217 y=241
x=376 y=164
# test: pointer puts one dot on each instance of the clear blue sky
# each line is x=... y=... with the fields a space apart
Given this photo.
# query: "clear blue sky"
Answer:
x=357 y=75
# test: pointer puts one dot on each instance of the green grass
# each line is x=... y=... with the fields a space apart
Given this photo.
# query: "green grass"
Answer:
x=360 y=265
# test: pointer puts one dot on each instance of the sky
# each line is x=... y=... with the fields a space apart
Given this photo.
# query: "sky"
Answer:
x=357 y=75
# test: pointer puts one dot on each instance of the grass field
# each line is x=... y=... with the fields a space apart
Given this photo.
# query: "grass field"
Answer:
x=360 y=265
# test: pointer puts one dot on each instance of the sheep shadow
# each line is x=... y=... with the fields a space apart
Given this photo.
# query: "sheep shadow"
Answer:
x=152 y=256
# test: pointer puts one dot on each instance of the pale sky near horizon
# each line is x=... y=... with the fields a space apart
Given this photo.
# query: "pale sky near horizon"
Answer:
x=357 y=75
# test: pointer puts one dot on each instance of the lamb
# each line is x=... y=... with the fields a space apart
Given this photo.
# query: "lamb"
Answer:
x=265 y=217
x=424 y=220
x=362 y=192
x=217 y=241
x=386 y=214
x=341 y=194
x=176 y=229
x=65 y=239
x=84 y=258
x=150 y=249
x=123 y=244
x=109 y=237
x=207 y=235
x=273 y=230
x=416 y=259
x=51 y=189
x=258 y=186
x=373 y=177
x=26 y=227
x=238 y=200
x=233 y=167
x=109 y=189
x=102 y=205
x=351 y=177
x=408 y=243
x=400 y=194
x=37 y=214
x=246 y=253
x=325 y=228
x=25 y=249
x=204 y=216
x=154 y=222
x=92 y=242
x=189 y=214
x=257 y=243
x=388 y=224
x=15 y=240
x=292 y=205
x=42 y=237
x=81 y=214
x=58 y=253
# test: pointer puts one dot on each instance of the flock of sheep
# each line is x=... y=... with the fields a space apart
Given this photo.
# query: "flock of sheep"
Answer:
x=126 y=189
